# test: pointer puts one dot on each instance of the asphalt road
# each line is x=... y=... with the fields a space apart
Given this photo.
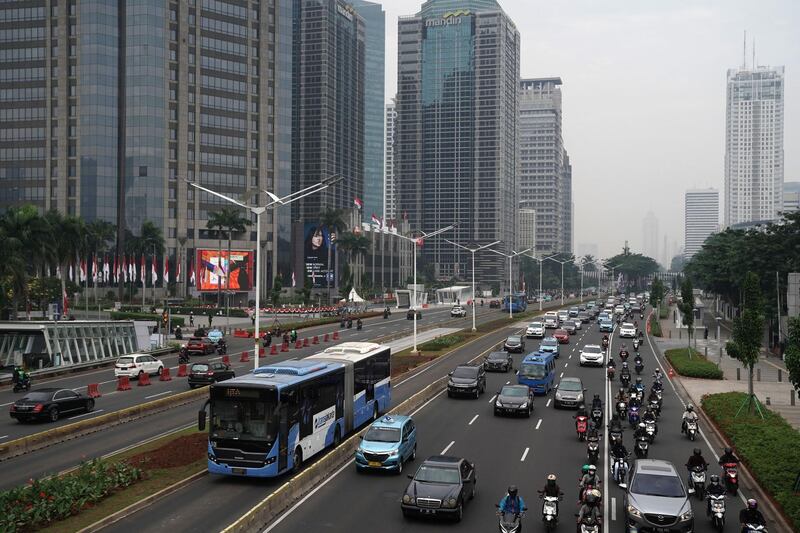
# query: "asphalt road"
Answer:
x=505 y=450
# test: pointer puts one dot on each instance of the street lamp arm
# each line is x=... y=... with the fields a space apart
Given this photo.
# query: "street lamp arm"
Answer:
x=215 y=193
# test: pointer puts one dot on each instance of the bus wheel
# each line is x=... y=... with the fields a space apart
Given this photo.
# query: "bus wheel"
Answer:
x=337 y=437
x=297 y=460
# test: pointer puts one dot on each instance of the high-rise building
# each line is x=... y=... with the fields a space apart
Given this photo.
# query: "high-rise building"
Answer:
x=545 y=173
x=791 y=196
x=526 y=230
x=456 y=131
x=108 y=108
x=701 y=218
x=754 y=144
x=328 y=105
x=374 y=101
x=650 y=236
x=389 y=192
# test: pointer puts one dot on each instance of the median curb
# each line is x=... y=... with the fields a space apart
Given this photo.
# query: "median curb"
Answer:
x=57 y=435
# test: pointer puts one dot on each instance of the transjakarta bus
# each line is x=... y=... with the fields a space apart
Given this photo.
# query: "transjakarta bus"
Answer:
x=271 y=421
x=519 y=303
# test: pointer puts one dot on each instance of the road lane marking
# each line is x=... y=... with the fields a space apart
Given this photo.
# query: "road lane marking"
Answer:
x=524 y=454
x=5 y=404
x=474 y=418
x=492 y=400
x=566 y=364
x=86 y=414
x=561 y=376
x=539 y=423
x=548 y=402
x=157 y=395
x=4 y=437
x=447 y=447
x=508 y=382
x=613 y=509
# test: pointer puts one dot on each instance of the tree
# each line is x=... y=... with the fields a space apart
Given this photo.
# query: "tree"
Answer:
x=748 y=329
x=589 y=263
x=354 y=244
x=686 y=307
x=635 y=267
x=657 y=292
x=69 y=234
x=677 y=263
x=277 y=287
x=792 y=354
x=333 y=220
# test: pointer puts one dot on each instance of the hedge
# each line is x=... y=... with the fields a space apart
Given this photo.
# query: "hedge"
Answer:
x=120 y=315
x=768 y=447
x=655 y=326
x=40 y=502
x=695 y=367
x=440 y=343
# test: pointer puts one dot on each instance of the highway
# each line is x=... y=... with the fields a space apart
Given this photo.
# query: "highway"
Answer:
x=505 y=450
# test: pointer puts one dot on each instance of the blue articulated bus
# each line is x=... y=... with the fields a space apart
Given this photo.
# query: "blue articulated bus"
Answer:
x=538 y=371
x=519 y=303
x=272 y=420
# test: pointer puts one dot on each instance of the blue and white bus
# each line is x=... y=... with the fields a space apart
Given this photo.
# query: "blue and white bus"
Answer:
x=272 y=420
x=519 y=303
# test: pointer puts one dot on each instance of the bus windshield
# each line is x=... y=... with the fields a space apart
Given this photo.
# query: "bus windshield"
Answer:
x=243 y=419
x=533 y=371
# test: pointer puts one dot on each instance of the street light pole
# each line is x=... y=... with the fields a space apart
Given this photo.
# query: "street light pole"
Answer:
x=510 y=256
x=472 y=251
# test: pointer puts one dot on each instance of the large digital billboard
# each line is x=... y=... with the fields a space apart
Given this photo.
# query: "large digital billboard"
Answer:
x=213 y=267
x=317 y=241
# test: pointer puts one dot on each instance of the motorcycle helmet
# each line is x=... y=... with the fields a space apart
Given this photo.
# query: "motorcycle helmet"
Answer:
x=638 y=381
x=752 y=504
x=728 y=451
x=585 y=469
x=596 y=396
x=642 y=425
x=592 y=469
x=621 y=390
x=690 y=408
x=697 y=452
x=714 y=479
x=591 y=498
x=625 y=364
x=551 y=480
x=512 y=491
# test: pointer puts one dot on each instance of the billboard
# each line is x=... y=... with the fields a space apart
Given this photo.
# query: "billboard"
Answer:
x=213 y=267
x=317 y=241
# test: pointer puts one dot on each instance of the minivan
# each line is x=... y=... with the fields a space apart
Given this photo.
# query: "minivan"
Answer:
x=538 y=371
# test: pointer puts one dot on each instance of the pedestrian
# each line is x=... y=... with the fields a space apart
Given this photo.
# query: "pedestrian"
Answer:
x=705 y=333
x=191 y=318
x=210 y=318
x=253 y=319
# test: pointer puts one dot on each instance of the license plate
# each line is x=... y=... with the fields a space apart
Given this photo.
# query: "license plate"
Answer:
x=374 y=463
x=429 y=511
x=240 y=471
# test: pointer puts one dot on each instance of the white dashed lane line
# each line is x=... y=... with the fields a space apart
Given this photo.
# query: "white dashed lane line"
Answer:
x=447 y=448
x=493 y=398
x=539 y=423
x=474 y=418
x=548 y=402
x=524 y=454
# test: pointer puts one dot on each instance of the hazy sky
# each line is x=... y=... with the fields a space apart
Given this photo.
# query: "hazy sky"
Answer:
x=644 y=96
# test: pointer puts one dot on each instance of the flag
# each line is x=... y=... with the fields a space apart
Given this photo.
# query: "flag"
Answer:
x=154 y=271
x=106 y=270
x=58 y=271
x=376 y=220
x=419 y=241
x=166 y=270
x=83 y=270
x=124 y=269
x=191 y=276
x=177 y=269
x=213 y=268
x=294 y=281
x=71 y=274
x=358 y=202
x=143 y=271
x=94 y=269
x=64 y=302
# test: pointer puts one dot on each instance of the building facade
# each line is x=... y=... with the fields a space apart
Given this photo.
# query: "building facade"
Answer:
x=456 y=131
x=701 y=218
x=791 y=196
x=109 y=108
x=389 y=193
x=545 y=174
x=754 y=159
x=526 y=230
x=374 y=101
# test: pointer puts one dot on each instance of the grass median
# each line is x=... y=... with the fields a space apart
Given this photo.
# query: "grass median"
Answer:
x=692 y=364
x=767 y=446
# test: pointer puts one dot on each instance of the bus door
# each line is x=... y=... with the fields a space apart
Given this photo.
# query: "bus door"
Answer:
x=283 y=436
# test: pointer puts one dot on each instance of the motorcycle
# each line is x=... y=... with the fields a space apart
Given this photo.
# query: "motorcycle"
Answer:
x=386 y=313
x=183 y=356
x=650 y=429
x=691 y=429
x=755 y=528
x=623 y=355
x=23 y=384
x=590 y=524
x=625 y=379
x=635 y=344
x=641 y=447
x=597 y=417
x=655 y=406
x=359 y=325
x=698 y=486
x=620 y=471
x=350 y=323
x=511 y=522
x=549 y=511
x=610 y=373
x=592 y=451
x=731 y=477
x=622 y=409
x=615 y=436
x=639 y=366
x=222 y=348
x=581 y=423
x=717 y=505
x=605 y=344
x=633 y=415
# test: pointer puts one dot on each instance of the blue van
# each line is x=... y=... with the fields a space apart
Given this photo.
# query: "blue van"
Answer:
x=388 y=443
x=538 y=371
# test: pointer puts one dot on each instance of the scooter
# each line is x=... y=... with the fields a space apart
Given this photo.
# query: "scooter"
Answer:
x=650 y=429
x=510 y=522
x=731 y=477
x=359 y=325
x=717 y=504
x=592 y=451
x=183 y=356
x=386 y=313
x=622 y=409
x=635 y=344
x=755 y=528
x=639 y=366
x=590 y=525
x=549 y=511
x=615 y=436
x=620 y=471
x=581 y=423
x=633 y=415
x=610 y=373
x=691 y=430
x=597 y=417
x=655 y=406
x=642 y=447
x=222 y=348
x=625 y=379
x=23 y=384
x=698 y=486
x=605 y=344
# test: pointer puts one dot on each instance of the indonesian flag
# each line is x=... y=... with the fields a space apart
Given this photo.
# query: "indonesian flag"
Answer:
x=132 y=275
x=64 y=302
x=191 y=276
x=376 y=220
x=143 y=271
x=419 y=241
x=125 y=269
x=294 y=281
x=95 y=273
x=71 y=273
x=115 y=271
x=166 y=270
x=358 y=202
x=177 y=269
x=153 y=271
x=83 y=270
x=106 y=270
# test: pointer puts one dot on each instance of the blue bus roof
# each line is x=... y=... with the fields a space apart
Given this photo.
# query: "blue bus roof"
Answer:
x=284 y=373
x=538 y=357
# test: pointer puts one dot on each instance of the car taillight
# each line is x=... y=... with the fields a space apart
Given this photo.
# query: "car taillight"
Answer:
x=38 y=408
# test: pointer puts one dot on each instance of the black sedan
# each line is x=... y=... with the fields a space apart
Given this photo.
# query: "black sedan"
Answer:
x=514 y=343
x=498 y=361
x=208 y=373
x=412 y=313
x=440 y=487
x=514 y=399
x=50 y=404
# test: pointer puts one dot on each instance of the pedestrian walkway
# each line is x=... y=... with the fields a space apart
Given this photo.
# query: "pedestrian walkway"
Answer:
x=770 y=376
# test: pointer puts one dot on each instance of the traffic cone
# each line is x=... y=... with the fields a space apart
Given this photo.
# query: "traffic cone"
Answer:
x=325 y=338
x=165 y=376
x=245 y=358
x=305 y=342
x=182 y=371
x=315 y=340
x=273 y=350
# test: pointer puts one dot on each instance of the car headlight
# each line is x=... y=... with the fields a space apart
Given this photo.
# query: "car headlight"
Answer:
x=450 y=503
x=580 y=398
x=498 y=403
x=524 y=405
x=394 y=453
x=633 y=511
x=688 y=515
x=408 y=499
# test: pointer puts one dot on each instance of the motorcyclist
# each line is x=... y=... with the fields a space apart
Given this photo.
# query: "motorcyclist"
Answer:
x=657 y=375
x=512 y=502
x=580 y=412
x=611 y=363
x=359 y=324
x=728 y=457
x=714 y=488
x=640 y=431
x=590 y=478
x=293 y=335
x=751 y=515
x=638 y=360
x=615 y=426
x=648 y=417
x=696 y=460
x=688 y=415
x=597 y=403
x=590 y=507
x=621 y=396
x=618 y=451
x=652 y=397
x=605 y=339
x=178 y=333
x=623 y=352
x=551 y=489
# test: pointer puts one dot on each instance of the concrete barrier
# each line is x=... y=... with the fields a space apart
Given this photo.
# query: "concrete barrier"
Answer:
x=281 y=499
x=43 y=439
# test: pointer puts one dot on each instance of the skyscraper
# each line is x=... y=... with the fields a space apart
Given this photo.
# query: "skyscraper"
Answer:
x=374 y=100
x=455 y=155
x=107 y=107
x=701 y=218
x=389 y=192
x=545 y=174
x=650 y=236
x=754 y=144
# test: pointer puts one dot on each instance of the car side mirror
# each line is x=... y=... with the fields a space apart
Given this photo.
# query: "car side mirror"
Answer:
x=410 y=476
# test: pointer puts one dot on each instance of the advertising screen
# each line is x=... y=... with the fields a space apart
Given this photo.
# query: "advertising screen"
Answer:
x=213 y=268
x=317 y=241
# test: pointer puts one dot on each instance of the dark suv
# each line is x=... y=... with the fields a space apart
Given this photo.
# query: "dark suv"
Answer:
x=208 y=373
x=467 y=380
x=440 y=487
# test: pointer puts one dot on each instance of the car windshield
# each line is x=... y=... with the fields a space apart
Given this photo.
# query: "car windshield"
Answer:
x=570 y=385
x=243 y=419
x=465 y=372
x=38 y=396
x=512 y=338
x=549 y=342
x=498 y=356
x=437 y=474
x=535 y=325
x=627 y=325
x=125 y=360
x=533 y=371
x=605 y=323
x=592 y=349
x=383 y=435
x=199 y=368
x=657 y=485
x=514 y=391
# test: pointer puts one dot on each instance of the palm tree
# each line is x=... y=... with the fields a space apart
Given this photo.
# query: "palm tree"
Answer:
x=354 y=244
x=12 y=268
x=333 y=220
x=231 y=220
x=99 y=236
x=69 y=238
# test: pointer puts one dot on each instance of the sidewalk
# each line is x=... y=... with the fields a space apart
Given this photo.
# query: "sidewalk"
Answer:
x=778 y=392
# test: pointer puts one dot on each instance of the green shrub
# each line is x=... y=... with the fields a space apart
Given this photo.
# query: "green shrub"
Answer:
x=42 y=501
x=655 y=327
x=120 y=315
x=440 y=343
x=663 y=311
x=695 y=367
x=768 y=447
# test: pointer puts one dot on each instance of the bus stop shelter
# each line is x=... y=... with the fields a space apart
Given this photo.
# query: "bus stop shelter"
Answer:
x=455 y=294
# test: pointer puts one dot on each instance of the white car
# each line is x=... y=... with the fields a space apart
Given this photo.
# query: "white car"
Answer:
x=135 y=364
x=457 y=310
x=578 y=324
x=551 y=320
x=592 y=354
x=619 y=309
x=627 y=330
x=535 y=330
x=563 y=316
